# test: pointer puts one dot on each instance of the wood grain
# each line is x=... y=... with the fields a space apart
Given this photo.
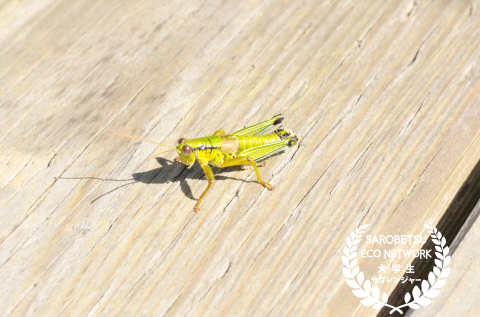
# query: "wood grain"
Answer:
x=385 y=94
x=459 y=295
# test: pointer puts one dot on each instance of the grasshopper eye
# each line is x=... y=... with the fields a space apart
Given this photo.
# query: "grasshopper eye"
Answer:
x=187 y=150
x=180 y=141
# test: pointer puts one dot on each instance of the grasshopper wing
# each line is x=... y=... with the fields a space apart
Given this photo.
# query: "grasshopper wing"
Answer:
x=259 y=128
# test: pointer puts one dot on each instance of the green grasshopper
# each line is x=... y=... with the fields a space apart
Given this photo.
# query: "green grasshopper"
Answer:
x=247 y=146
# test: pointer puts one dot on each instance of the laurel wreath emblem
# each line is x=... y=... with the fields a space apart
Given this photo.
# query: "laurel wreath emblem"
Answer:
x=371 y=296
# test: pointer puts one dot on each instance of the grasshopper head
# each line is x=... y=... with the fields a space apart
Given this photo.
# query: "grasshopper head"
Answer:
x=185 y=151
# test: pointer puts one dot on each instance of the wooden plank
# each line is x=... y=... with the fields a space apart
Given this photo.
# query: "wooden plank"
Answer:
x=459 y=296
x=385 y=94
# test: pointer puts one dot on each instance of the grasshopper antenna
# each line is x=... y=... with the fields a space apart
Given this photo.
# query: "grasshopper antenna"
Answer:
x=156 y=154
x=132 y=137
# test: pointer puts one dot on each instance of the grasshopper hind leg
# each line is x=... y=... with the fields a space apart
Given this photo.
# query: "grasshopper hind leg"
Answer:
x=247 y=161
x=220 y=132
x=259 y=128
x=252 y=156
x=250 y=167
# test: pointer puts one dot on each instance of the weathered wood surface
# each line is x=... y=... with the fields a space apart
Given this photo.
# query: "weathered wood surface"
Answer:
x=459 y=297
x=385 y=93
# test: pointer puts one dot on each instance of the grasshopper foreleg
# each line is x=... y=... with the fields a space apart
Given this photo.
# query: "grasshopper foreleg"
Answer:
x=210 y=179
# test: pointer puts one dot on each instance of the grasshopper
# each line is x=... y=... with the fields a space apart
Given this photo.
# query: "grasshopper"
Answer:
x=247 y=146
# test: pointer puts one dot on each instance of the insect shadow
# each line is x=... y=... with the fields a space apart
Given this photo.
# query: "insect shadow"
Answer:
x=170 y=171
